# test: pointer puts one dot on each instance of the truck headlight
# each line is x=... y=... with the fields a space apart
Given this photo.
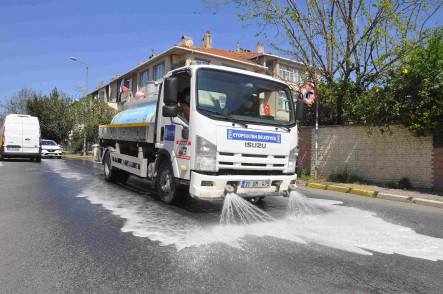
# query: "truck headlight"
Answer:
x=292 y=160
x=205 y=155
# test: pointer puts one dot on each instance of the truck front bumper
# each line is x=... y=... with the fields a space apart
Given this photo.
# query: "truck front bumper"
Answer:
x=209 y=187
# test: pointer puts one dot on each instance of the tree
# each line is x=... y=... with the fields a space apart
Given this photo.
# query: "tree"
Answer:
x=414 y=90
x=349 y=43
x=17 y=103
x=55 y=114
x=90 y=113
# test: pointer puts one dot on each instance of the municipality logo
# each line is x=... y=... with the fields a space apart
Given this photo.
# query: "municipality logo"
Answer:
x=229 y=134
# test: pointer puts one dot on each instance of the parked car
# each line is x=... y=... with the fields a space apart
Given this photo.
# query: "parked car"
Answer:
x=20 y=137
x=51 y=149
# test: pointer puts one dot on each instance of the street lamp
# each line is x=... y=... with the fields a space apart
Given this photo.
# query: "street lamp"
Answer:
x=86 y=94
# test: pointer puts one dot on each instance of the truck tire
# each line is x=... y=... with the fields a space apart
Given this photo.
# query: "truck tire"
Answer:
x=110 y=174
x=122 y=176
x=166 y=187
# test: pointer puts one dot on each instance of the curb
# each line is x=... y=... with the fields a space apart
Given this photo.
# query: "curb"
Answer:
x=317 y=186
x=362 y=192
x=376 y=194
x=339 y=188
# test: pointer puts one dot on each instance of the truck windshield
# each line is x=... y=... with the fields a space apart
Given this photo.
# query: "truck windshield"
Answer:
x=232 y=96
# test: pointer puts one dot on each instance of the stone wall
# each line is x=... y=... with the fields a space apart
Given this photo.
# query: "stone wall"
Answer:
x=379 y=158
x=438 y=168
x=304 y=149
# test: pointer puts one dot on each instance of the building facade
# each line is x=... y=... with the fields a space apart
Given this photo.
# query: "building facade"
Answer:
x=145 y=78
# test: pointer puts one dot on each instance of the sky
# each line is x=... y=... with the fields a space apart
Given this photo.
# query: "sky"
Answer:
x=38 y=37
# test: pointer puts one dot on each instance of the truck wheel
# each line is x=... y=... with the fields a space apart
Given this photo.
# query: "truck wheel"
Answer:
x=122 y=176
x=167 y=190
x=110 y=174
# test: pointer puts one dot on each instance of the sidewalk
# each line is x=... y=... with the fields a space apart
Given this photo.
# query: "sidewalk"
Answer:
x=417 y=197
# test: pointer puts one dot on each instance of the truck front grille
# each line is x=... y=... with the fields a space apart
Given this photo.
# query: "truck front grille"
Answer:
x=240 y=161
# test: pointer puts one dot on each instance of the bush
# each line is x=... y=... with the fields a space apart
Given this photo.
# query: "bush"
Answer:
x=304 y=174
x=344 y=176
x=77 y=143
x=403 y=183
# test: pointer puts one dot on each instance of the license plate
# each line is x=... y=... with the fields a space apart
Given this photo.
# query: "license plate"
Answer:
x=13 y=149
x=256 y=184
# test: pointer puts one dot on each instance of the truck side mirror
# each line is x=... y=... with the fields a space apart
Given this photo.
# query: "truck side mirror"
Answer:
x=171 y=91
x=299 y=110
x=170 y=110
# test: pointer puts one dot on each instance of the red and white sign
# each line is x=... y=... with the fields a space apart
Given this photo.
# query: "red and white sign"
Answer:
x=183 y=142
x=308 y=94
x=267 y=109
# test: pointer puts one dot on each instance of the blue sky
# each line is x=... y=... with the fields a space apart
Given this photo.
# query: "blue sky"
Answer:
x=38 y=37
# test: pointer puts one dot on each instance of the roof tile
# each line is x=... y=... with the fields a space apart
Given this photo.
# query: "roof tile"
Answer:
x=237 y=55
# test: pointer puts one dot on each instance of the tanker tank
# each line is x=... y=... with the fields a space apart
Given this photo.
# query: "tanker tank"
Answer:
x=137 y=112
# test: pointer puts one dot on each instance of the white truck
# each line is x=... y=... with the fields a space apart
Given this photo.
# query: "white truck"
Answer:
x=213 y=129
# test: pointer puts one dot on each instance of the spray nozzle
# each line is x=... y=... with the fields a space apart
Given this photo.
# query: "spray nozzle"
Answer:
x=292 y=187
x=229 y=189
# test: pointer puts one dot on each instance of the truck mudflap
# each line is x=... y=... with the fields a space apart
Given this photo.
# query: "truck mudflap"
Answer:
x=207 y=187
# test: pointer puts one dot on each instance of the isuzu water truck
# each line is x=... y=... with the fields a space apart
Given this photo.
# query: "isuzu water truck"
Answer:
x=211 y=129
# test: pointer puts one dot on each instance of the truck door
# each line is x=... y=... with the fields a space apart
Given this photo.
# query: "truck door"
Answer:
x=31 y=135
x=14 y=134
x=170 y=131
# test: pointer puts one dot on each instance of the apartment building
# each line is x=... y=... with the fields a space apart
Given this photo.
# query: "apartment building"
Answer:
x=147 y=75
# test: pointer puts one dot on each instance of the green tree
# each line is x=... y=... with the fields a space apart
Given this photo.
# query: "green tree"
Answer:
x=349 y=43
x=90 y=113
x=55 y=114
x=413 y=92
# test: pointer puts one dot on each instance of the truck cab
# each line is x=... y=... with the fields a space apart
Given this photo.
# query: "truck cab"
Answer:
x=212 y=129
x=241 y=131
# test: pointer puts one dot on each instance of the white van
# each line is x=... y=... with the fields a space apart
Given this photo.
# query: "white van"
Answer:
x=20 y=137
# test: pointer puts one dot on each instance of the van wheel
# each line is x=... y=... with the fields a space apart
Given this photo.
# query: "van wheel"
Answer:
x=110 y=174
x=38 y=159
x=166 y=188
x=31 y=158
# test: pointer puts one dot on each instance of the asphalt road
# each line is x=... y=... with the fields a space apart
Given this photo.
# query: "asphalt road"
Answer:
x=63 y=229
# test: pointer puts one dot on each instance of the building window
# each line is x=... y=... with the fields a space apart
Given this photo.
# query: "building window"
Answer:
x=159 y=72
x=270 y=66
x=283 y=103
x=144 y=78
x=201 y=62
x=289 y=74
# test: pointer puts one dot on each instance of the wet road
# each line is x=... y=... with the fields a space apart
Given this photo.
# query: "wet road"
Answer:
x=63 y=229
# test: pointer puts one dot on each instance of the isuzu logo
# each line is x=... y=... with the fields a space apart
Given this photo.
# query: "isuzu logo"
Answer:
x=255 y=145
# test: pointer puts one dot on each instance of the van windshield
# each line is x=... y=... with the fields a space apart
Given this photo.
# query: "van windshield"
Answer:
x=48 y=142
x=232 y=96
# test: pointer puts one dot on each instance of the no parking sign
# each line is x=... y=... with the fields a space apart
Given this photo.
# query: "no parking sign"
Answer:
x=308 y=93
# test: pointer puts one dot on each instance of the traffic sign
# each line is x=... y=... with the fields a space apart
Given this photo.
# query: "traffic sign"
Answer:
x=308 y=93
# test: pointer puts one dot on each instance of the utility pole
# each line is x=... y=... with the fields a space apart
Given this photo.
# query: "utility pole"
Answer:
x=86 y=94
